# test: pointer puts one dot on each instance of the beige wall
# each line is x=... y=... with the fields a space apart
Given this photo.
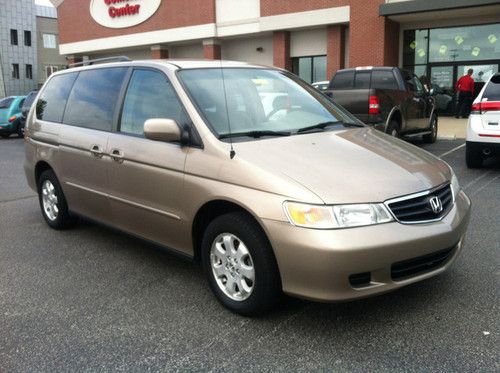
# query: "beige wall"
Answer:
x=308 y=42
x=47 y=56
x=245 y=49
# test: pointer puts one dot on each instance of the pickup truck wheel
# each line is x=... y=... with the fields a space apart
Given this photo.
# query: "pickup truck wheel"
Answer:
x=240 y=265
x=432 y=137
x=473 y=156
x=393 y=129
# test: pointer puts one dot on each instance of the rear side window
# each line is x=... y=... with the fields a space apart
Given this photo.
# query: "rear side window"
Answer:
x=149 y=95
x=362 y=80
x=384 y=80
x=342 y=80
x=94 y=97
x=492 y=90
x=6 y=102
x=29 y=100
x=50 y=106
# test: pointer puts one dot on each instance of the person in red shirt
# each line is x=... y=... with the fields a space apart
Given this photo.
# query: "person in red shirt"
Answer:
x=465 y=89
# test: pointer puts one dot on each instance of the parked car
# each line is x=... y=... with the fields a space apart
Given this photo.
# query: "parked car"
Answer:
x=321 y=86
x=10 y=116
x=387 y=98
x=27 y=106
x=483 y=126
x=443 y=100
x=309 y=201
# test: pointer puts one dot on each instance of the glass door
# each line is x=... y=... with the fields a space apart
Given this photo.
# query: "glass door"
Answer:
x=481 y=74
x=442 y=88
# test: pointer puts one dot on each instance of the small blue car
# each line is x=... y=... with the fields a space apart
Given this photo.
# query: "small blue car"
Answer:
x=10 y=116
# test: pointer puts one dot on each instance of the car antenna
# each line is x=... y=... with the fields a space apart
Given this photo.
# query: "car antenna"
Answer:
x=232 y=153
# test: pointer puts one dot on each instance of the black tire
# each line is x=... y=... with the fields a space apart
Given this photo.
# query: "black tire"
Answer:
x=5 y=135
x=432 y=137
x=394 y=129
x=63 y=219
x=266 y=290
x=473 y=156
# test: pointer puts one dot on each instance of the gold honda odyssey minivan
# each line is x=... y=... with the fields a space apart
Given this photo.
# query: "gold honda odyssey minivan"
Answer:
x=271 y=185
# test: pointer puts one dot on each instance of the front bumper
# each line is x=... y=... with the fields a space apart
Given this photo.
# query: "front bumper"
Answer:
x=317 y=264
x=8 y=127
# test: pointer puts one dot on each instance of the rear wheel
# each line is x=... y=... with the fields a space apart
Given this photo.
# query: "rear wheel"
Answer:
x=432 y=137
x=393 y=129
x=239 y=264
x=473 y=156
x=53 y=203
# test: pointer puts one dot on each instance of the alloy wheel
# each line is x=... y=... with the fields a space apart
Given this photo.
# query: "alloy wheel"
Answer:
x=49 y=200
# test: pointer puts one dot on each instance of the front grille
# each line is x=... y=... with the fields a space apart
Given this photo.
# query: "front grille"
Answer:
x=421 y=264
x=360 y=279
x=418 y=209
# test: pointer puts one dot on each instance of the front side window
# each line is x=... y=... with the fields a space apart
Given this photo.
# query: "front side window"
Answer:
x=94 y=97
x=384 y=80
x=50 y=106
x=49 y=41
x=239 y=100
x=149 y=95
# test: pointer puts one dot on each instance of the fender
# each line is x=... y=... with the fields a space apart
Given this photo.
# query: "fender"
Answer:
x=389 y=117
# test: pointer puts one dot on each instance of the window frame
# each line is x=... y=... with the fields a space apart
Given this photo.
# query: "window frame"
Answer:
x=29 y=69
x=297 y=58
x=14 y=37
x=15 y=71
x=55 y=40
x=27 y=38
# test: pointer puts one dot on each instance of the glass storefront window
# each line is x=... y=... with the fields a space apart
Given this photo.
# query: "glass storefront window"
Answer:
x=310 y=69
x=481 y=74
x=467 y=43
x=415 y=47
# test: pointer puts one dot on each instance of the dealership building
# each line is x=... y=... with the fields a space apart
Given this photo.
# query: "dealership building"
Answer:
x=312 y=38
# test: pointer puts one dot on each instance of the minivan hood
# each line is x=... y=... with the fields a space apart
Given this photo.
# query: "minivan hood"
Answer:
x=348 y=166
x=4 y=115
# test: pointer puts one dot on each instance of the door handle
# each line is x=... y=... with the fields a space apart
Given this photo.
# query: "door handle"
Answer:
x=96 y=151
x=117 y=155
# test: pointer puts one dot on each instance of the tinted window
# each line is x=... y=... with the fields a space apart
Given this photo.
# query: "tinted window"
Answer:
x=93 y=99
x=362 y=80
x=149 y=95
x=5 y=103
x=492 y=90
x=342 y=80
x=384 y=80
x=50 y=105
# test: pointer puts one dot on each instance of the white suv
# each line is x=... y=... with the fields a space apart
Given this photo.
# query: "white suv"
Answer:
x=483 y=128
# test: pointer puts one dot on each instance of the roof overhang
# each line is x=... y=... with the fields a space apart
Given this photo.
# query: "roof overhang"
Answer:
x=421 y=6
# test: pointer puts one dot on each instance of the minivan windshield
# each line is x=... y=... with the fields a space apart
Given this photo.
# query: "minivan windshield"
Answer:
x=261 y=102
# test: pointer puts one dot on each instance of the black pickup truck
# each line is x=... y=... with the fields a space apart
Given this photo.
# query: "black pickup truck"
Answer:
x=388 y=98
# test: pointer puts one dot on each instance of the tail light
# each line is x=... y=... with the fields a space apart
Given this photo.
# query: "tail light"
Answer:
x=482 y=107
x=373 y=105
x=12 y=118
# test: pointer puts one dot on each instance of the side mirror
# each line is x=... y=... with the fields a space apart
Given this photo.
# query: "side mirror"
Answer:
x=162 y=129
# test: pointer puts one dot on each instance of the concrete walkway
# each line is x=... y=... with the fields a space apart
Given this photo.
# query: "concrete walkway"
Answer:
x=450 y=128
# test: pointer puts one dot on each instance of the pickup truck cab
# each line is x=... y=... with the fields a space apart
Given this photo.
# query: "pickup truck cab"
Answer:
x=388 y=98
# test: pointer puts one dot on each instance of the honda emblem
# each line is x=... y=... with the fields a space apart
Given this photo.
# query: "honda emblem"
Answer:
x=436 y=205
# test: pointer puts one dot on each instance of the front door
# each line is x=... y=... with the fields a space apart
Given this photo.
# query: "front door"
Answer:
x=145 y=176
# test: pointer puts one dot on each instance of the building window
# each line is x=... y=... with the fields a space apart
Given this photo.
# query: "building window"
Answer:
x=27 y=38
x=29 y=71
x=15 y=71
x=51 y=69
x=13 y=37
x=310 y=69
x=49 y=41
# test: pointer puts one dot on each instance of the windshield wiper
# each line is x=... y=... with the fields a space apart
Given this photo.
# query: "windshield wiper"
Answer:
x=323 y=125
x=255 y=134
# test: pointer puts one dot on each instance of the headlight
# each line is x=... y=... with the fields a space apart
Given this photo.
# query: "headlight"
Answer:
x=455 y=186
x=337 y=216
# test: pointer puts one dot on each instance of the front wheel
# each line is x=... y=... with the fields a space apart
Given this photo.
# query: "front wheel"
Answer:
x=432 y=137
x=52 y=202
x=240 y=265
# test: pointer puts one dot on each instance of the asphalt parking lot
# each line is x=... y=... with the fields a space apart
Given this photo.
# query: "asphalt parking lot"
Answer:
x=92 y=299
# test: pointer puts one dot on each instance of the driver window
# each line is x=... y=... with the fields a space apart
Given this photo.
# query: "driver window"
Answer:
x=149 y=95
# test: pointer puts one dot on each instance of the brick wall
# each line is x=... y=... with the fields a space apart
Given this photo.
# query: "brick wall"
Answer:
x=76 y=23
x=281 y=50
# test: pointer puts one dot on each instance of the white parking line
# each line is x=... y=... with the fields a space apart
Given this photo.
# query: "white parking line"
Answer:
x=452 y=150
x=485 y=185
